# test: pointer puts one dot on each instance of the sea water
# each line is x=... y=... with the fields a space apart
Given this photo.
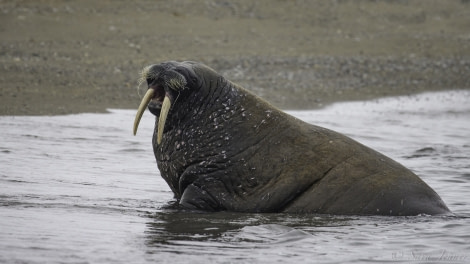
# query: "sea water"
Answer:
x=81 y=189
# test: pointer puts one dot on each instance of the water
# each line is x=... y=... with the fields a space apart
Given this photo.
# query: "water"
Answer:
x=82 y=189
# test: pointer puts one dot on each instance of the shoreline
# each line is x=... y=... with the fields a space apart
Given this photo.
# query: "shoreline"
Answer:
x=65 y=57
x=417 y=94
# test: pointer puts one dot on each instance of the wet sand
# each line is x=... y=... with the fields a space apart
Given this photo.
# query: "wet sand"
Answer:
x=62 y=57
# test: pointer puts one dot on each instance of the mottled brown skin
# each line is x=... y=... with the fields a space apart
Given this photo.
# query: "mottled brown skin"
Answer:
x=223 y=148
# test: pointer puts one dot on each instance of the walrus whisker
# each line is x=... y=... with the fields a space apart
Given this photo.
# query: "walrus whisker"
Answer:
x=145 y=73
x=143 y=76
x=138 y=88
x=177 y=97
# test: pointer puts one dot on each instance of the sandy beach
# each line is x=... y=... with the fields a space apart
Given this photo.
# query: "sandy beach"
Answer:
x=62 y=57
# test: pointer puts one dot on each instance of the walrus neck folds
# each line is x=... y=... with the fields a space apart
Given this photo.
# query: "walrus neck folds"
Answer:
x=187 y=148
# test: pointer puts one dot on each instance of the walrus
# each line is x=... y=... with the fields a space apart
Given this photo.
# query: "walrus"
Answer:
x=220 y=147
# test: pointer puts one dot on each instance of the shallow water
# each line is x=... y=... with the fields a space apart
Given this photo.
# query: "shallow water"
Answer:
x=82 y=189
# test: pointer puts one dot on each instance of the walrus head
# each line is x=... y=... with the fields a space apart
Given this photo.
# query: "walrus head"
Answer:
x=165 y=83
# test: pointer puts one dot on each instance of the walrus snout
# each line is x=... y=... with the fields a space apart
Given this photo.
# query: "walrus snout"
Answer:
x=155 y=103
x=155 y=106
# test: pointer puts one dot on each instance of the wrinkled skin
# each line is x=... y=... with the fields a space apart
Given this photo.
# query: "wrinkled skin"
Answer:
x=223 y=148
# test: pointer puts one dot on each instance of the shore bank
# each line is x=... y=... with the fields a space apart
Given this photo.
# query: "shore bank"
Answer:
x=61 y=57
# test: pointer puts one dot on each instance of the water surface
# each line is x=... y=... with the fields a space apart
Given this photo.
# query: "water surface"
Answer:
x=82 y=189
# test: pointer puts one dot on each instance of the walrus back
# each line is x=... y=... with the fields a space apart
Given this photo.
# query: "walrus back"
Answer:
x=365 y=182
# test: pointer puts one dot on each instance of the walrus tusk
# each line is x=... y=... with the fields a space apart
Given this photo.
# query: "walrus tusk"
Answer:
x=162 y=119
x=140 y=111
